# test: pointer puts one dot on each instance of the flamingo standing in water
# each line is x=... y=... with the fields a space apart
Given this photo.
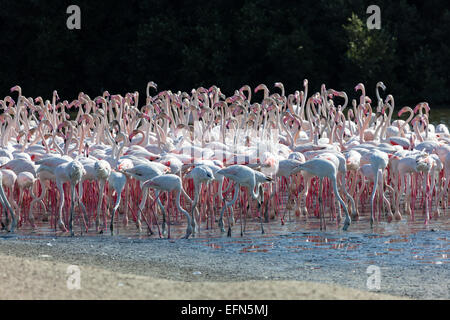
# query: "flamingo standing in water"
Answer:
x=200 y=174
x=71 y=172
x=412 y=163
x=5 y=204
x=143 y=172
x=96 y=170
x=172 y=123
x=171 y=182
x=379 y=161
x=325 y=168
x=246 y=177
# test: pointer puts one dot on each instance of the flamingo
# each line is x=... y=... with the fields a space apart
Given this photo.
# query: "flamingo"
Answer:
x=71 y=172
x=207 y=136
x=5 y=204
x=143 y=172
x=246 y=177
x=95 y=170
x=171 y=182
x=200 y=174
x=325 y=168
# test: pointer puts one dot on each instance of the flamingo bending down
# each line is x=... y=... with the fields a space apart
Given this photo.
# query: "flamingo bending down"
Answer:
x=143 y=172
x=200 y=174
x=96 y=170
x=325 y=168
x=246 y=177
x=171 y=182
x=379 y=161
x=413 y=163
x=71 y=172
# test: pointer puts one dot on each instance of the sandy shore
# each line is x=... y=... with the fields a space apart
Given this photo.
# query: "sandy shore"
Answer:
x=118 y=268
x=27 y=278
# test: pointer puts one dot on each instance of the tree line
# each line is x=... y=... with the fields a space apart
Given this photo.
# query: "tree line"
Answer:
x=183 y=45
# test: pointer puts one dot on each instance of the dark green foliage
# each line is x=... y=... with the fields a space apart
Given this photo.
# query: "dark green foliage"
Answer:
x=181 y=45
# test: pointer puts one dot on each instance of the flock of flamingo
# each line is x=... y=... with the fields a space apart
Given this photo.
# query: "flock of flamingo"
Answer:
x=204 y=155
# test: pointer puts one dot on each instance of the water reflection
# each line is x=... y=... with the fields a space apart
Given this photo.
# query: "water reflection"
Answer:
x=400 y=243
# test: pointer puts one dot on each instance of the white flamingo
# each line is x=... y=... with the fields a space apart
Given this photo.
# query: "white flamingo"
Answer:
x=5 y=204
x=171 y=182
x=325 y=168
x=246 y=177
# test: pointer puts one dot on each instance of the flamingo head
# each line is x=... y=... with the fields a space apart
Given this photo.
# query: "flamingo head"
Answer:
x=381 y=85
x=86 y=117
x=10 y=100
x=403 y=110
x=62 y=125
x=359 y=86
x=15 y=88
x=260 y=87
x=153 y=85
x=417 y=107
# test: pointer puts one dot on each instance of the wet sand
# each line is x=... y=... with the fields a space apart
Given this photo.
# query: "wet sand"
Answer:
x=39 y=271
x=27 y=278
x=294 y=261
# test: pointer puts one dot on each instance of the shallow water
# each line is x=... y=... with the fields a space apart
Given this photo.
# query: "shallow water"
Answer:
x=400 y=242
x=404 y=242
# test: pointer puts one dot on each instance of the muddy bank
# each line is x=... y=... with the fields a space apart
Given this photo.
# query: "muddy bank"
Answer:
x=27 y=278
x=413 y=265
